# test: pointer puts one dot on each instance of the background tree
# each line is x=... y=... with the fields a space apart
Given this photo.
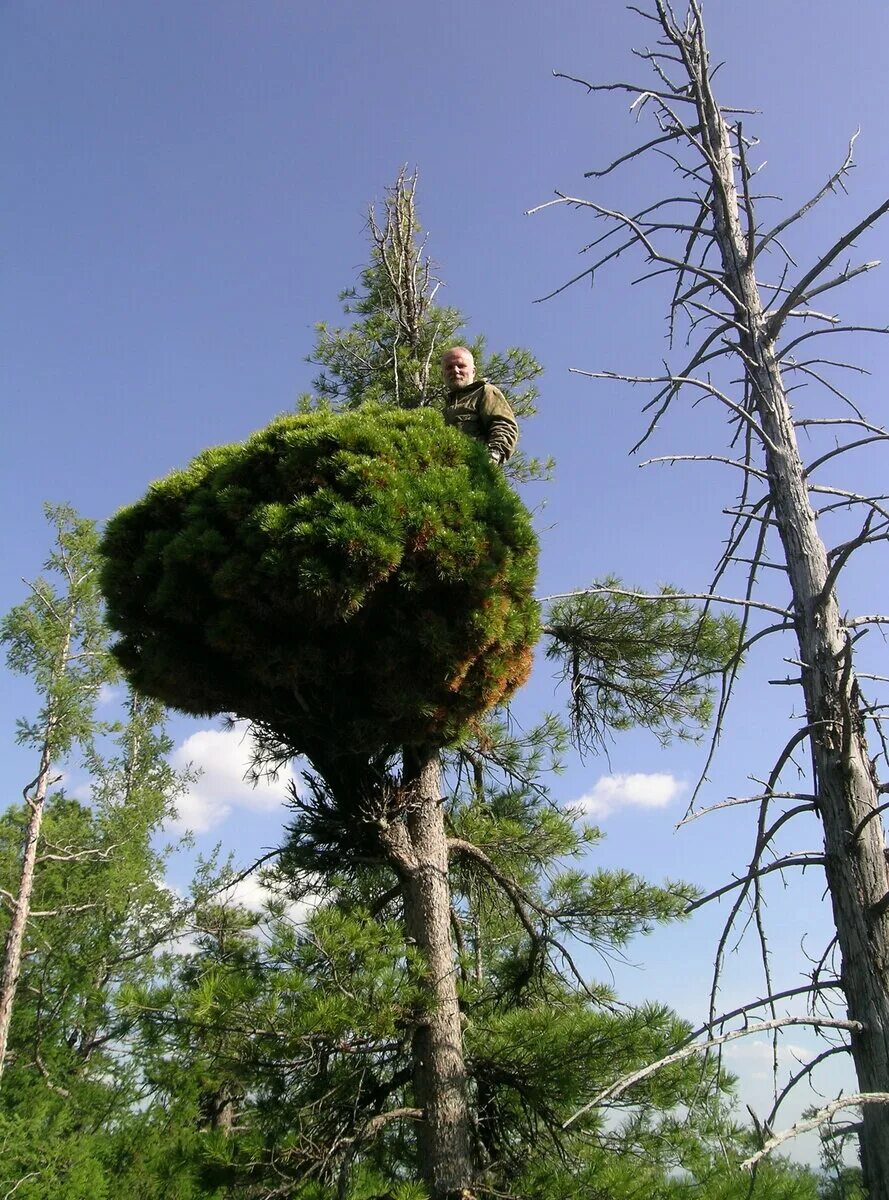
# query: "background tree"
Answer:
x=55 y=637
x=709 y=242
x=357 y=584
x=74 y=1108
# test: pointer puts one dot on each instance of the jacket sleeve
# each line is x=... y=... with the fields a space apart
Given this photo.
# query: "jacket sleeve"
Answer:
x=498 y=422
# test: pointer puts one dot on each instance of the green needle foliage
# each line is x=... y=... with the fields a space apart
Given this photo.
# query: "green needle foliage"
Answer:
x=390 y=352
x=637 y=661
x=353 y=582
x=56 y=637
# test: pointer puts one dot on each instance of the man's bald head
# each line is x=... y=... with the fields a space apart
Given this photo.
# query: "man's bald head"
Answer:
x=457 y=368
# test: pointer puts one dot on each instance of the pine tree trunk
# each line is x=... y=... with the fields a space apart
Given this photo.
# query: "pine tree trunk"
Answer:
x=845 y=784
x=418 y=850
x=15 y=937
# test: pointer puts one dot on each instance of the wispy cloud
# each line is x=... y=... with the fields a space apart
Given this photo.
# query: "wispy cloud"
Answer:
x=755 y=1056
x=614 y=792
x=222 y=756
x=253 y=894
x=108 y=694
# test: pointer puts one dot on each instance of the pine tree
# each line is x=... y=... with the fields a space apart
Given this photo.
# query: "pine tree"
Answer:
x=393 y=544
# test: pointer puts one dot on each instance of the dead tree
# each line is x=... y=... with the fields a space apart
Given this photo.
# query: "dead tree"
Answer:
x=708 y=239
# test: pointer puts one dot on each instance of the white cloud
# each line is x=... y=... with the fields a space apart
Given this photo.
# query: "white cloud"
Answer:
x=108 y=694
x=222 y=756
x=613 y=792
x=755 y=1056
x=253 y=894
x=758 y=1050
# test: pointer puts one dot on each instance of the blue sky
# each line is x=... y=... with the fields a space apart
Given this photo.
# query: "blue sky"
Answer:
x=186 y=192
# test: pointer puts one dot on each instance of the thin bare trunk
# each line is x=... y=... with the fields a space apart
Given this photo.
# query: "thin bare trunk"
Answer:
x=419 y=851
x=15 y=937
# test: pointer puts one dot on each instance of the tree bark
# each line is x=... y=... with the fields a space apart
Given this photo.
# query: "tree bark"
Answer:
x=417 y=848
x=845 y=783
x=15 y=937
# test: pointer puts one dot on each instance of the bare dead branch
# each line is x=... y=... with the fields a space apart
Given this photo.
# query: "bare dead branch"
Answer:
x=728 y=462
x=819 y=195
x=622 y=87
x=873 y=619
x=829 y=985
x=806 y=859
x=804 y=424
x=882 y=436
x=802 y=287
x=796 y=1078
x=691 y=381
x=627 y=1081
x=874 y=812
x=734 y=801
x=819 y=1118
x=666 y=137
x=714 y=280
x=804 y=337
x=598 y=591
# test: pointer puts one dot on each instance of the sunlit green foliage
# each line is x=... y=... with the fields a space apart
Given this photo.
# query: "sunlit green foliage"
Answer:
x=638 y=661
x=57 y=638
x=389 y=353
x=352 y=581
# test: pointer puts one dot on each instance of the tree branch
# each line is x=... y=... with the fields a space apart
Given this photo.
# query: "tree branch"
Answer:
x=819 y=1118
x=622 y=1085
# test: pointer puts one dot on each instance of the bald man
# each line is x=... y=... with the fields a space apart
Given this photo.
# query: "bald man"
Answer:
x=477 y=407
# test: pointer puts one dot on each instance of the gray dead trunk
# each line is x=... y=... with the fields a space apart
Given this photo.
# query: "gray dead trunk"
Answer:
x=846 y=787
x=418 y=850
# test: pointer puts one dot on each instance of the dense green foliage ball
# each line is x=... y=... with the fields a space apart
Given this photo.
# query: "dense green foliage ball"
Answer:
x=353 y=581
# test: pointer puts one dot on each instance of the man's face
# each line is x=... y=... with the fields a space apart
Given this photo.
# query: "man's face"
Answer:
x=457 y=368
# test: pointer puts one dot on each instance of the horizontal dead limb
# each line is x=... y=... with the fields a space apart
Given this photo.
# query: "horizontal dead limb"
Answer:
x=804 y=337
x=882 y=436
x=827 y=985
x=733 y=801
x=853 y=497
x=819 y=1118
x=706 y=596
x=670 y=136
x=804 y=424
x=64 y=910
x=714 y=280
x=633 y=88
x=688 y=1051
x=873 y=619
x=728 y=462
x=677 y=381
x=66 y=855
x=791 y=860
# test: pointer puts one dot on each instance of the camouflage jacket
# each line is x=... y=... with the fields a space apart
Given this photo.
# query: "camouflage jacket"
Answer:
x=482 y=411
